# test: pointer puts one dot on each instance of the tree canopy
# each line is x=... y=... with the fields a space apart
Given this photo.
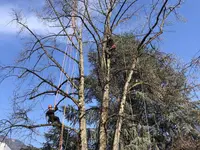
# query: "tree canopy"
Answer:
x=131 y=95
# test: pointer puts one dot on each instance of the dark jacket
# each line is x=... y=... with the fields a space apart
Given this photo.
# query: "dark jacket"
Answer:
x=50 y=113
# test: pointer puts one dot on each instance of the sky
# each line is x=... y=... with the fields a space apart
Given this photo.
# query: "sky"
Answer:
x=181 y=38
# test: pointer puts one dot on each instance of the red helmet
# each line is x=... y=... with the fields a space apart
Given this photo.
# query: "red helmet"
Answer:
x=49 y=106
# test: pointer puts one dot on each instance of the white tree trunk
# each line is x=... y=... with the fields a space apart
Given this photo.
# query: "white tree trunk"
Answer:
x=82 y=119
x=104 y=110
x=121 y=109
x=105 y=64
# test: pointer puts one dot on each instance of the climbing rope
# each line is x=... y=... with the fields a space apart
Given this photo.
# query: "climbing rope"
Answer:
x=61 y=77
x=68 y=89
x=69 y=62
x=61 y=80
x=71 y=87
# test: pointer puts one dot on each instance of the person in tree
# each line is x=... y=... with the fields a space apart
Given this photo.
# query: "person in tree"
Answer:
x=110 y=48
x=110 y=45
x=51 y=116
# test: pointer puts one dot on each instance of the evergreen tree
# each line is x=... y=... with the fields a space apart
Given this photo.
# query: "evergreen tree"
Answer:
x=158 y=108
x=70 y=140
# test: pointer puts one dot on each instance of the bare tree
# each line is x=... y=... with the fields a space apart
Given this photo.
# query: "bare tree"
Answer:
x=83 y=21
x=41 y=59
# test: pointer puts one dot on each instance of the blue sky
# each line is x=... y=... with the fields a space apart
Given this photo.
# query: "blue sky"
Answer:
x=181 y=39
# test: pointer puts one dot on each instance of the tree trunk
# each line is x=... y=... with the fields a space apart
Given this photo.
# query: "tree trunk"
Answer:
x=105 y=68
x=82 y=119
x=104 y=110
x=82 y=123
x=121 y=109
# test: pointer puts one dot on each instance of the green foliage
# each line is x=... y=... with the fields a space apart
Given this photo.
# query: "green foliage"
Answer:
x=158 y=111
x=30 y=148
x=156 y=99
x=70 y=140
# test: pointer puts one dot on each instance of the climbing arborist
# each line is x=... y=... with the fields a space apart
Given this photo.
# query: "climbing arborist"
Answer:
x=51 y=116
x=110 y=44
x=110 y=47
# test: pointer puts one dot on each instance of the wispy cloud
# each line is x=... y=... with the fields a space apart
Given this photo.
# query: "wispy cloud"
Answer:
x=7 y=26
x=6 y=17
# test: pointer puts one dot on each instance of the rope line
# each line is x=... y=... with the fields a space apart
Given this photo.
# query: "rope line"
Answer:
x=61 y=76
x=69 y=62
x=68 y=89
x=62 y=127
